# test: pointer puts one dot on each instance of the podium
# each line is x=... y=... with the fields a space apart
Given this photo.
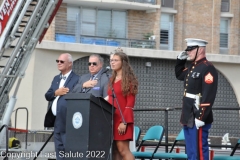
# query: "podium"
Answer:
x=88 y=127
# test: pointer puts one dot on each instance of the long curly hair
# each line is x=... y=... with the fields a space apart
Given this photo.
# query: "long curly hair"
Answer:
x=129 y=81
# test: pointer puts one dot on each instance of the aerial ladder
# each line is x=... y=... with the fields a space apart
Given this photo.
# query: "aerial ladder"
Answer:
x=23 y=24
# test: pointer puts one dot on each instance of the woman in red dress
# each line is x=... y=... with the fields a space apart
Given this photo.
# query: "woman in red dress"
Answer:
x=125 y=85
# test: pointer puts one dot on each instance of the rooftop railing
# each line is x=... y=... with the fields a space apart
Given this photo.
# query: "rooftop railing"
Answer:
x=105 y=41
x=153 y=2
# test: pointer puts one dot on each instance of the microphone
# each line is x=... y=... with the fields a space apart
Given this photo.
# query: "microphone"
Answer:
x=106 y=70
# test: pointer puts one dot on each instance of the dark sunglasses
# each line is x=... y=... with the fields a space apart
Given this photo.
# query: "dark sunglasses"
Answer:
x=190 y=48
x=60 y=61
x=93 y=63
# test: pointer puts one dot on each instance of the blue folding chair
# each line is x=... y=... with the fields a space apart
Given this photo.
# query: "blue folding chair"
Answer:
x=231 y=156
x=170 y=154
x=153 y=133
x=180 y=137
x=137 y=132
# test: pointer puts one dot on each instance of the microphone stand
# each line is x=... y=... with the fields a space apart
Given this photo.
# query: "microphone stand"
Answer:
x=113 y=97
x=111 y=138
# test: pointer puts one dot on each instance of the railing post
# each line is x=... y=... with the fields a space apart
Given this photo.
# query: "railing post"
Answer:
x=6 y=128
x=166 y=129
x=26 y=124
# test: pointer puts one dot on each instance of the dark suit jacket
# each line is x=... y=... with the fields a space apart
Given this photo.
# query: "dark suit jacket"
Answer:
x=60 y=121
x=99 y=90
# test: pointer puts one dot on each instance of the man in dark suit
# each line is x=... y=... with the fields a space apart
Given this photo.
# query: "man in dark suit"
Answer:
x=61 y=85
x=95 y=82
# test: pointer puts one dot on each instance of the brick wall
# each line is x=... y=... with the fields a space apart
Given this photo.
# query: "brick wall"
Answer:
x=179 y=44
x=60 y=19
x=201 y=19
x=194 y=19
x=142 y=22
x=234 y=28
x=50 y=34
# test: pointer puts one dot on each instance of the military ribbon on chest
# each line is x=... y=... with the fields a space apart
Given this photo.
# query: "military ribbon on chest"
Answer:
x=195 y=75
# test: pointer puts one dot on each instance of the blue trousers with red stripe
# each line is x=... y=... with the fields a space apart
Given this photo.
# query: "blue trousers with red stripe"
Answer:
x=196 y=141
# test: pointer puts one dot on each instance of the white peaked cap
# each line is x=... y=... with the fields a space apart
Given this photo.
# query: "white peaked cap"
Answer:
x=196 y=42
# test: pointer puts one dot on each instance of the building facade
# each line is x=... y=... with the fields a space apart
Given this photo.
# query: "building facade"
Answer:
x=152 y=33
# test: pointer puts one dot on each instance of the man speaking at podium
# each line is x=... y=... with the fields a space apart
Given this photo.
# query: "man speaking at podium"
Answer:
x=96 y=81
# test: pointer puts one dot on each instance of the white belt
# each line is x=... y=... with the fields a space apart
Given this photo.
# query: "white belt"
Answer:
x=189 y=95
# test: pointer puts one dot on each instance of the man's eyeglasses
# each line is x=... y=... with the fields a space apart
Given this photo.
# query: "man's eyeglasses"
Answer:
x=114 y=60
x=92 y=63
x=190 y=48
x=59 y=61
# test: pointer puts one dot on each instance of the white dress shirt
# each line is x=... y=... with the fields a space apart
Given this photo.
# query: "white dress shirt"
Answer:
x=61 y=84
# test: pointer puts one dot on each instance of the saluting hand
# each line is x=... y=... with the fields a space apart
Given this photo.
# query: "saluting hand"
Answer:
x=183 y=55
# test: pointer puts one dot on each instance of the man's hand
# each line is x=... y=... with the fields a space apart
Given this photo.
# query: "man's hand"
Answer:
x=90 y=84
x=199 y=123
x=61 y=91
x=183 y=55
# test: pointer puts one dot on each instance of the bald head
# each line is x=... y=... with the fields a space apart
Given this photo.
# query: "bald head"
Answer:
x=65 y=63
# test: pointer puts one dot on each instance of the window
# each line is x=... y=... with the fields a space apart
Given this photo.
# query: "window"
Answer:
x=225 y=5
x=119 y=24
x=166 y=32
x=168 y=3
x=164 y=36
x=104 y=24
x=224 y=33
x=93 y=22
x=72 y=19
x=88 y=26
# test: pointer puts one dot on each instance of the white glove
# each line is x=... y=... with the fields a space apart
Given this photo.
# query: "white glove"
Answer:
x=183 y=55
x=197 y=102
x=199 y=123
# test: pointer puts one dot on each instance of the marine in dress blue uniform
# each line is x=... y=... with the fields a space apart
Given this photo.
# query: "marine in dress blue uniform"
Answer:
x=200 y=86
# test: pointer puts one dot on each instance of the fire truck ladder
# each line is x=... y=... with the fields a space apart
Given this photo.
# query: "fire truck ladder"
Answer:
x=28 y=24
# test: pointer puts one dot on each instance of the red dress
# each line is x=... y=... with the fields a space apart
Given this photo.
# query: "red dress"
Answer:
x=126 y=104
